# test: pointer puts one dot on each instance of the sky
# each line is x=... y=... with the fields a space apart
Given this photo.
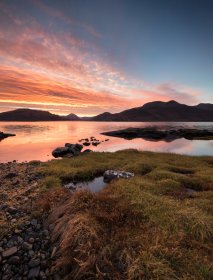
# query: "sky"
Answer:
x=91 y=56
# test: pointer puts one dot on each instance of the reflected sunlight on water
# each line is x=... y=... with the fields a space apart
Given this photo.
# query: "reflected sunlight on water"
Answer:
x=36 y=140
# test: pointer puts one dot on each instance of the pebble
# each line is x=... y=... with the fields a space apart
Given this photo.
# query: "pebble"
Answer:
x=31 y=240
x=33 y=263
x=14 y=260
x=34 y=272
x=11 y=251
x=25 y=252
x=12 y=210
x=27 y=246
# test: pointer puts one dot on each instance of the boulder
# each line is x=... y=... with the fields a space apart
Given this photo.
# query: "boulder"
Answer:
x=110 y=175
x=60 y=152
x=74 y=146
x=69 y=150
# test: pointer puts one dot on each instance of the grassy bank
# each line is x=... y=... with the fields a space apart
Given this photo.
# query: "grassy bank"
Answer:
x=146 y=227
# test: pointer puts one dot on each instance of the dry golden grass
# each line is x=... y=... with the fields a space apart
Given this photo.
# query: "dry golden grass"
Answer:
x=140 y=228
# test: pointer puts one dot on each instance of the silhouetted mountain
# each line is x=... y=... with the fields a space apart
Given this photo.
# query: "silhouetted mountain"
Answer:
x=29 y=115
x=105 y=117
x=73 y=117
x=162 y=111
x=150 y=112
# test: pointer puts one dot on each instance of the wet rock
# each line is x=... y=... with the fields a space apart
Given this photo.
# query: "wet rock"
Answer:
x=69 y=150
x=74 y=146
x=86 y=143
x=110 y=175
x=60 y=152
x=96 y=143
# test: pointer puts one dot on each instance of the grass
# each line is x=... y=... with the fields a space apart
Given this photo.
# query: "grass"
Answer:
x=146 y=227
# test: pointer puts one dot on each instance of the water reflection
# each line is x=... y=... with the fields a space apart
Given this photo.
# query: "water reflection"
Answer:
x=37 y=140
x=25 y=128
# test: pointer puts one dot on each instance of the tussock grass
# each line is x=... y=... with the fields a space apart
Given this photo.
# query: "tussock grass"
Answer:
x=140 y=228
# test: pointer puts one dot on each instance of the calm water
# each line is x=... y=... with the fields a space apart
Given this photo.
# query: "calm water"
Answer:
x=36 y=140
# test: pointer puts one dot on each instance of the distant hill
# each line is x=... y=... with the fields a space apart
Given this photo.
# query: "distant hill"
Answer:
x=162 y=111
x=34 y=115
x=72 y=117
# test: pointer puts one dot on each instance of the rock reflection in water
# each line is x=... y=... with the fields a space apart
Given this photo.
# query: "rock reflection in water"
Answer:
x=95 y=185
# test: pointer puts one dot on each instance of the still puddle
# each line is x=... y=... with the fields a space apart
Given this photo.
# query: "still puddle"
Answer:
x=95 y=185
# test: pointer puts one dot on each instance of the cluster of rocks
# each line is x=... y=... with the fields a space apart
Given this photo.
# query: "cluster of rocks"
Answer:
x=69 y=150
x=26 y=253
x=110 y=175
x=92 y=141
x=5 y=135
x=25 y=248
x=72 y=150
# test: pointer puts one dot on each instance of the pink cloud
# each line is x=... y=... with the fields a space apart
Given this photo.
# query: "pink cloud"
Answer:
x=61 y=72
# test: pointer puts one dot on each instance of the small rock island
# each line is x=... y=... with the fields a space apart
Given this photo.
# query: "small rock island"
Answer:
x=5 y=135
x=154 y=134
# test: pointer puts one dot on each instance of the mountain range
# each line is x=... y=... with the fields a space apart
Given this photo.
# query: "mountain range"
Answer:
x=149 y=112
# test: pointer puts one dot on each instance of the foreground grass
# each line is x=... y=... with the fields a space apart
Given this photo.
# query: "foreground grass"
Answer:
x=147 y=227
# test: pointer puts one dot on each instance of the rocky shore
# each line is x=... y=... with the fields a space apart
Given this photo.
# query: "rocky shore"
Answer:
x=25 y=248
x=154 y=134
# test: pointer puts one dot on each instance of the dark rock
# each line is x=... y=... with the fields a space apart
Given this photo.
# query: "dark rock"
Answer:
x=33 y=263
x=69 y=150
x=34 y=272
x=9 y=252
x=10 y=175
x=86 y=143
x=74 y=146
x=5 y=135
x=26 y=246
x=14 y=260
x=87 y=151
x=34 y=222
x=3 y=206
x=96 y=143
x=31 y=240
x=60 y=152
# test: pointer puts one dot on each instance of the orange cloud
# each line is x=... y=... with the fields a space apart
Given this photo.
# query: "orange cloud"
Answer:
x=58 y=71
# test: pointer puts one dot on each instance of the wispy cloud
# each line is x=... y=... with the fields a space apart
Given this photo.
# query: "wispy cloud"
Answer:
x=56 y=70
